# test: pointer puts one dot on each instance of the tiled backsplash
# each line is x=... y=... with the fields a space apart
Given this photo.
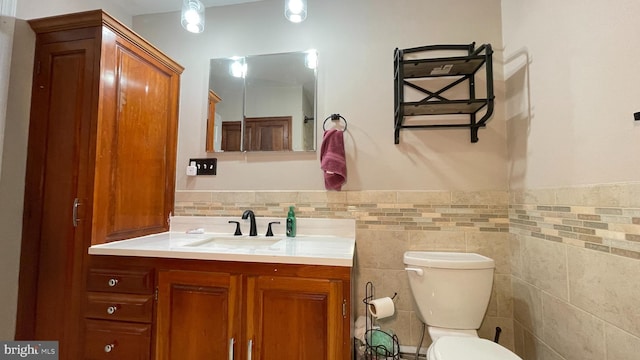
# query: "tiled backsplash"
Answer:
x=388 y=224
x=614 y=230
x=565 y=258
x=388 y=210
x=575 y=261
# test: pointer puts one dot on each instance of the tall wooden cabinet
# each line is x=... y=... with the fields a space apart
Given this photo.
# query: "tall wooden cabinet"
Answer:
x=100 y=163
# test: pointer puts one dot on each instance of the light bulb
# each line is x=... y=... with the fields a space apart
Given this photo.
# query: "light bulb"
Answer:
x=295 y=10
x=238 y=68
x=295 y=6
x=192 y=17
x=311 y=59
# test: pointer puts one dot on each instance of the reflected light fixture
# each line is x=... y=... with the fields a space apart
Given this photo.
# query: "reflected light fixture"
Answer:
x=311 y=59
x=192 y=17
x=238 y=68
x=295 y=10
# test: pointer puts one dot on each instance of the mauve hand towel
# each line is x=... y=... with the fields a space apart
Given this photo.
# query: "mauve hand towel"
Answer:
x=332 y=159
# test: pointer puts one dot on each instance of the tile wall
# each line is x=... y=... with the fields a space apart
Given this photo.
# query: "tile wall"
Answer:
x=576 y=272
x=388 y=224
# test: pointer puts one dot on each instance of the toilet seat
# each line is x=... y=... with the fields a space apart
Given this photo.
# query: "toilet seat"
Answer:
x=468 y=348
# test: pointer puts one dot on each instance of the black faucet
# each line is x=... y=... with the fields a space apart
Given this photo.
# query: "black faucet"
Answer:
x=252 y=218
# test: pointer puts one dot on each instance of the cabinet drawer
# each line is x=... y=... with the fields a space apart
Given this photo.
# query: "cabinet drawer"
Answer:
x=138 y=281
x=117 y=340
x=122 y=307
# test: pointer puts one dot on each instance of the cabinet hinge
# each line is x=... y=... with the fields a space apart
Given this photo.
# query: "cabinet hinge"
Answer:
x=38 y=67
x=155 y=295
x=344 y=308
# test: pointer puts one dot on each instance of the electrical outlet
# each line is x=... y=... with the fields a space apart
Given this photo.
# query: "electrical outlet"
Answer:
x=207 y=166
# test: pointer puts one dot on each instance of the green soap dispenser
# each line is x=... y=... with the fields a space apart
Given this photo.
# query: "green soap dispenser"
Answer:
x=291 y=223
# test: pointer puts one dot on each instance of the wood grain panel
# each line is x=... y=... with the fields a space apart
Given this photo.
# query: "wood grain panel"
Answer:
x=120 y=307
x=198 y=314
x=293 y=318
x=53 y=249
x=112 y=340
x=130 y=280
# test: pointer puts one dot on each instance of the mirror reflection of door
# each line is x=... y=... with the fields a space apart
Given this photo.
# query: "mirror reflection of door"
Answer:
x=211 y=118
x=231 y=135
x=267 y=133
x=270 y=86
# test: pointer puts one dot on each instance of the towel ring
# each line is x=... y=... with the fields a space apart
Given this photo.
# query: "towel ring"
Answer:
x=335 y=117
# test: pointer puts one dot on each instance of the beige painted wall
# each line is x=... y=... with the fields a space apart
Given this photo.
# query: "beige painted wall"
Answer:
x=355 y=41
x=7 y=23
x=571 y=70
x=16 y=32
x=570 y=67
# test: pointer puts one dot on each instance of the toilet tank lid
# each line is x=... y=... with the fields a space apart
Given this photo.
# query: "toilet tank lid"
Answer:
x=464 y=348
x=448 y=260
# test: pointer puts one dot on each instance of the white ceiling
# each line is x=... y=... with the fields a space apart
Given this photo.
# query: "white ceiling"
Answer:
x=140 y=7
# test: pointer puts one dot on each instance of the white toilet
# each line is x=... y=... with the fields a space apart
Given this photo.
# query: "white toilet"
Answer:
x=452 y=292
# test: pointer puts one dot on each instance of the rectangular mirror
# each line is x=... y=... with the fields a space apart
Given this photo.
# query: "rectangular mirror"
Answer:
x=262 y=103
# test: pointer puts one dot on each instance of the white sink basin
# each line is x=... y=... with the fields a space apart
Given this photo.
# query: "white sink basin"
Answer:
x=235 y=242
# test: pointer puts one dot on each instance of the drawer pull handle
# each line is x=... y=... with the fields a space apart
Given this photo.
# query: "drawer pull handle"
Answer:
x=231 y=343
x=108 y=348
x=112 y=309
x=249 y=350
x=113 y=282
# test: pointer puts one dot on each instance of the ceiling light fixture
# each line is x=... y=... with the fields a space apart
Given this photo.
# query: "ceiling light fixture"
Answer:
x=192 y=17
x=295 y=10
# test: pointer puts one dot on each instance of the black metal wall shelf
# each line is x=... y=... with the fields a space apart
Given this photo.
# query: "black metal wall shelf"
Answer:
x=460 y=70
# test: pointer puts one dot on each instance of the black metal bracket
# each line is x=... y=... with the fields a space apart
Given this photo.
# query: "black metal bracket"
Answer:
x=459 y=69
x=636 y=116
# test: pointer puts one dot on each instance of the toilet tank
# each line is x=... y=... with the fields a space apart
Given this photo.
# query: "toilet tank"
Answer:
x=451 y=290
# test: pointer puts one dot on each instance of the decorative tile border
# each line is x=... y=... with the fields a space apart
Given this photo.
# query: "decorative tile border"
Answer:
x=578 y=219
x=384 y=210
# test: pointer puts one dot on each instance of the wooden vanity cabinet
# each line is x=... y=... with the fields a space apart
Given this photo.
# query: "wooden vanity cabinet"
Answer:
x=295 y=318
x=119 y=314
x=100 y=162
x=236 y=310
x=198 y=315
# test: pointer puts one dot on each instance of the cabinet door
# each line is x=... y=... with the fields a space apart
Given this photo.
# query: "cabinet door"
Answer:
x=294 y=318
x=136 y=144
x=56 y=219
x=198 y=315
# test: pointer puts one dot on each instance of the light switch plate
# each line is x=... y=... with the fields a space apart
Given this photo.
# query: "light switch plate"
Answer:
x=208 y=166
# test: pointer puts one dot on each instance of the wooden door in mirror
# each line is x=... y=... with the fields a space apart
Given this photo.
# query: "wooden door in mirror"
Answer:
x=211 y=118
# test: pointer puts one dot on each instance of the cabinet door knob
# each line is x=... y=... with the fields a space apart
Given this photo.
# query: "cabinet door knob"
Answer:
x=112 y=309
x=108 y=348
x=113 y=282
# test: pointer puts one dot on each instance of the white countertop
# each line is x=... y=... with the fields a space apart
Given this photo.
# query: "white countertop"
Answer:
x=334 y=249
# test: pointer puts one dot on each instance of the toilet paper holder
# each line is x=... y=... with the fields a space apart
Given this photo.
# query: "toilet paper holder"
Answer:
x=379 y=344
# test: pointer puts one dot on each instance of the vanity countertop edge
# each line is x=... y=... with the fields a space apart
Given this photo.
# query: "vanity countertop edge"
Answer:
x=326 y=242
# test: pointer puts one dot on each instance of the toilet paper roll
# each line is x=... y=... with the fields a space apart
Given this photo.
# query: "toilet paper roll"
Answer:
x=381 y=308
